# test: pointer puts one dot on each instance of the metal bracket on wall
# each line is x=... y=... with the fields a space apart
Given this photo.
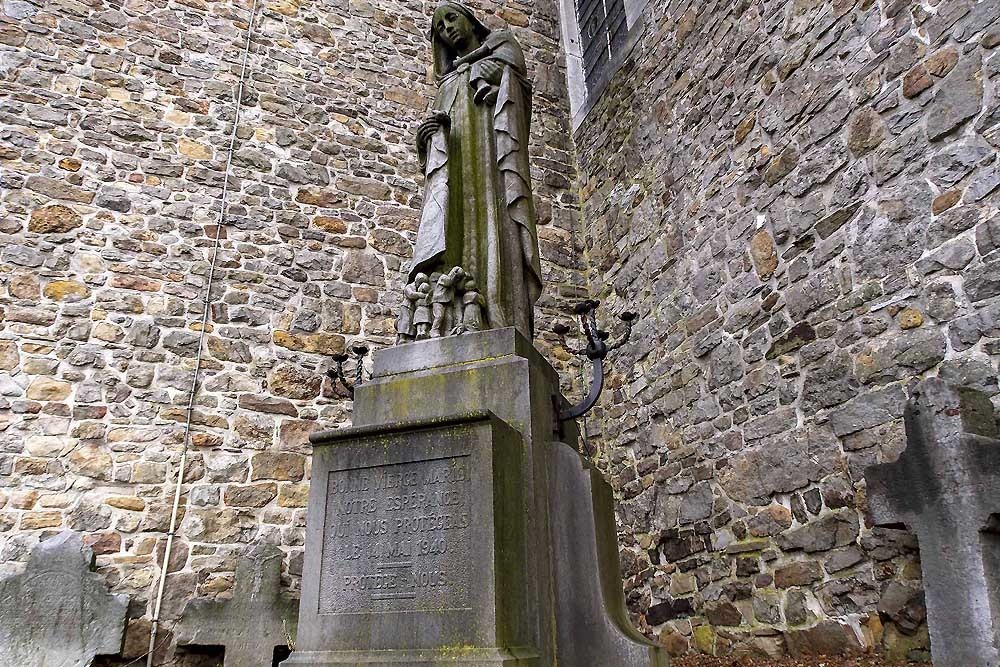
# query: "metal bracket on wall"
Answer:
x=597 y=351
x=337 y=372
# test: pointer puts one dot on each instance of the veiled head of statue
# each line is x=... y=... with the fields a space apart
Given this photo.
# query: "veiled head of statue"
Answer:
x=455 y=30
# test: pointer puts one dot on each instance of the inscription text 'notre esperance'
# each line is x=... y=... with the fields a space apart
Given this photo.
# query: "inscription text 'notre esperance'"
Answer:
x=397 y=538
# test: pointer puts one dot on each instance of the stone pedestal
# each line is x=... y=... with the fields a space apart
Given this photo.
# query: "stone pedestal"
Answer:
x=449 y=526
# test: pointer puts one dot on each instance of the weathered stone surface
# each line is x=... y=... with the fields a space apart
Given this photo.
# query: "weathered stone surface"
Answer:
x=841 y=559
x=904 y=605
x=826 y=638
x=66 y=290
x=229 y=350
x=48 y=389
x=774 y=519
x=58 y=189
x=217 y=526
x=697 y=505
x=870 y=410
x=725 y=614
x=983 y=183
x=916 y=81
x=293 y=382
x=957 y=160
x=781 y=166
x=364 y=187
x=912 y=352
x=250 y=495
x=669 y=610
x=983 y=282
x=801 y=573
x=293 y=495
x=910 y=318
x=799 y=335
x=91 y=460
x=278 y=406
x=363 y=268
x=830 y=382
x=783 y=464
x=945 y=487
x=834 y=530
x=959 y=98
x=9 y=355
x=279 y=466
x=765 y=258
x=256 y=620
x=326 y=344
x=293 y=435
x=950 y=257
x=54 y=219
x=59 y=612
x=865 y=131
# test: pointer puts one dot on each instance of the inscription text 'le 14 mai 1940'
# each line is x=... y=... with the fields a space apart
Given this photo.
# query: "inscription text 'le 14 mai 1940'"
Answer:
x=397 y=538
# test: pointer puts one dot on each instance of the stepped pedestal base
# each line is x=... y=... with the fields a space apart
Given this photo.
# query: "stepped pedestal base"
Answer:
x=448 y=526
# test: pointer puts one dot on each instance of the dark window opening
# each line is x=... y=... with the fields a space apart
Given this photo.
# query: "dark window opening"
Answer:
x=281 y=653
x=603 y=31
x=199 y=655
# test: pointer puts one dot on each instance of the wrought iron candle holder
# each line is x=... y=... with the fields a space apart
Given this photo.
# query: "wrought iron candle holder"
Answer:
x=337 y=372
x=597 y=351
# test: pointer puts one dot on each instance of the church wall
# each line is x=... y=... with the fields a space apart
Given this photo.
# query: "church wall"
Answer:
x=115 y=119
x=800 y=199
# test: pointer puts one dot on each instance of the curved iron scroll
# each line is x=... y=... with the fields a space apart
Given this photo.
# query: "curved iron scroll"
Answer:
x=597 y=351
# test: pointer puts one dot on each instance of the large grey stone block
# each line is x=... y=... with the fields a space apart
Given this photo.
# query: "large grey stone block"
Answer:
x=946 y=488
x=58 y=612
x=423 y=533
x=251 y=624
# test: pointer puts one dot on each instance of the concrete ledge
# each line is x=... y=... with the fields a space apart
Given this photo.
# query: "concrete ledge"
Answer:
x=459 y=350
x=332 y=436
x=468 y=657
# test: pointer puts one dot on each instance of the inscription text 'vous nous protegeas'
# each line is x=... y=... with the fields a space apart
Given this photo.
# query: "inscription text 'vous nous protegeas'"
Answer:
x=396 y=530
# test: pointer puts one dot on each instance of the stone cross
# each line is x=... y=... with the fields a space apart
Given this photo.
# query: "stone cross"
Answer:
x=253 y=622
x=946 y=488
x=58 y=612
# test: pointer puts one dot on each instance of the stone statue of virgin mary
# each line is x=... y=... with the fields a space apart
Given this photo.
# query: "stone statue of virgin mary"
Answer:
x=477 y=227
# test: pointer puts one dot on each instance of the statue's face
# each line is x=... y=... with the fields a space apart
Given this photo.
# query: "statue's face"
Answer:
x=454 y=29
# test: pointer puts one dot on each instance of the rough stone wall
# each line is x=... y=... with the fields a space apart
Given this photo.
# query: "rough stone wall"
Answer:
x=800 y=198
x=115 y=120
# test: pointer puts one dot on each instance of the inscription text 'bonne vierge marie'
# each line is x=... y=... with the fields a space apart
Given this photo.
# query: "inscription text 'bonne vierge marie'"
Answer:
x=397 y=538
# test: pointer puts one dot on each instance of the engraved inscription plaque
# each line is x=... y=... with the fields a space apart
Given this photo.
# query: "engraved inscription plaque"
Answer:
x=416 y=542
x=397 y=538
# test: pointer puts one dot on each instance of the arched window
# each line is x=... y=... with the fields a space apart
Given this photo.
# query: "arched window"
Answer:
x=603 y=31
x=597 y=34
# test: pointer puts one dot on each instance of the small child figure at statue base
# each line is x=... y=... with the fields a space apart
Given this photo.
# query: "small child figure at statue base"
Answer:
x=472 y=307
x=444 y=294
x=422 y=312
x=405 y=328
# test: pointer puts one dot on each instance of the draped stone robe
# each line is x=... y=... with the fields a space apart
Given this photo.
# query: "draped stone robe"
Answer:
x=478 y=211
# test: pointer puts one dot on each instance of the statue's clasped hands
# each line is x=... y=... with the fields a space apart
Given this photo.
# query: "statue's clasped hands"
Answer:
x=435 y=121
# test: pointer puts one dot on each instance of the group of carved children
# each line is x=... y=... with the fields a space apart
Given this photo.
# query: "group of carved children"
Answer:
x=439 y=304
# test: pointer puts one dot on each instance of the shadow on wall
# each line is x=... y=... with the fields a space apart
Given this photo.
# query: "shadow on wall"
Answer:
x=191 y=656
x=991 y=557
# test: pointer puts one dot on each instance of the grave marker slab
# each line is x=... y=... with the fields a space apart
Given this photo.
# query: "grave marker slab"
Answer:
x=945 y=487
x=58 y=612
x=251 y=624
